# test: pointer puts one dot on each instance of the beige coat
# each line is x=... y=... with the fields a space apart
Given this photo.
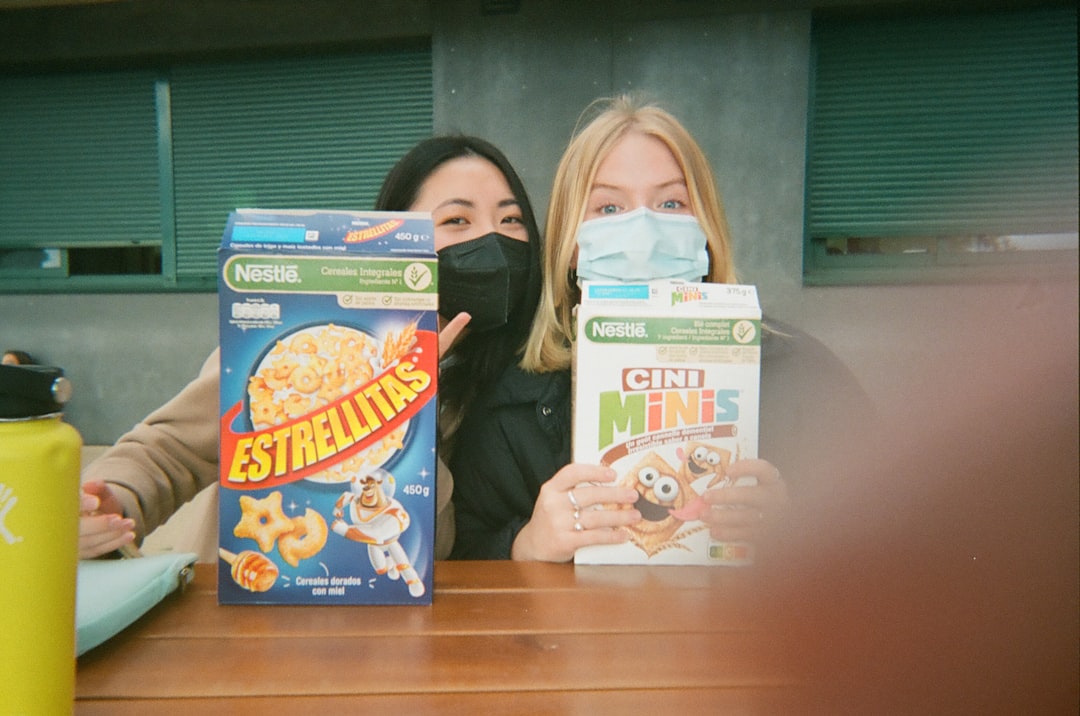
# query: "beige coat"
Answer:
x=168 y=458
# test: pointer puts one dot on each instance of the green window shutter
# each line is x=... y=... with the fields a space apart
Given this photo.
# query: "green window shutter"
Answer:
x=942 y=127
x=78 y=161
x=131 y=175
x=292 y=133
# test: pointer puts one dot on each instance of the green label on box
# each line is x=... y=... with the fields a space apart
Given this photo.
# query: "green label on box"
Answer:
x=326 y=274
x=674 y=331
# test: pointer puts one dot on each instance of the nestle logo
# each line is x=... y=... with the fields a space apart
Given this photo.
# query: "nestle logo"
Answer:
x=618 y=329
x=266 y=273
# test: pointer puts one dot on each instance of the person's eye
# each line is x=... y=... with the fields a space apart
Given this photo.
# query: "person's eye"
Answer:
x=672 y=205
x=453 y=221
x=513 y=220
x=609 y=209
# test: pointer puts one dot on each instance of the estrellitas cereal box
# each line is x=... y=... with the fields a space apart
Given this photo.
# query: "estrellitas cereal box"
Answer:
x=666 y=392
x=329 y=363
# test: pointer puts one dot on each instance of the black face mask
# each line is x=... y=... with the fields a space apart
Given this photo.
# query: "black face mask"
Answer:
x=485 y=277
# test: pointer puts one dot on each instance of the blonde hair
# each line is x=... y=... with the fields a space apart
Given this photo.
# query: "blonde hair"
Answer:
x=549 y=345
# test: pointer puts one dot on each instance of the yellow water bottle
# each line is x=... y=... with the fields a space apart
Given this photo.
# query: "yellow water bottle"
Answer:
x=39 y=532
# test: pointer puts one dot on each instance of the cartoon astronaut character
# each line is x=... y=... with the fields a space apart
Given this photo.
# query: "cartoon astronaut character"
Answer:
x=369 y=514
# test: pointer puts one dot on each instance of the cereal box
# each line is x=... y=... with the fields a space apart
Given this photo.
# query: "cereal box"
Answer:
x=329 y=362
x=666 y=392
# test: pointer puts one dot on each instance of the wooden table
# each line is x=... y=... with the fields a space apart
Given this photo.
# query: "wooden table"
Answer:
x=501 y=637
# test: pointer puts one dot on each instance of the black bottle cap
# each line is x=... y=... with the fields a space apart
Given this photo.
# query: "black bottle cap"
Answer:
x=28 y=391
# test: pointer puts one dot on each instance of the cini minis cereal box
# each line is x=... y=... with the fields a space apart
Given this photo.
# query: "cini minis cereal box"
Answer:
x=329 y=362
x=666 y=392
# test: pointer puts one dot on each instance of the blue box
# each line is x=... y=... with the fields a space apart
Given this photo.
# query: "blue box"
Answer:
x=329 y=365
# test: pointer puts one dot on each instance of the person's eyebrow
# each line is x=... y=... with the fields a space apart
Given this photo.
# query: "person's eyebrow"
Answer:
x=457 y=202
x=509 y=202
x=677 y=181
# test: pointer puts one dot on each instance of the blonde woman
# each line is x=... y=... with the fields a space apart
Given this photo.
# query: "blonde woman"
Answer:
x=516 y=494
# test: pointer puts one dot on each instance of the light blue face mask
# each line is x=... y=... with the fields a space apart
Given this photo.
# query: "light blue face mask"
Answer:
x=641 y=245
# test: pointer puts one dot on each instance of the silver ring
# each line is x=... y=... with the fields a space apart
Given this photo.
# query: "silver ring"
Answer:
x=578 y=527
x=577 y=515
x=573 y=500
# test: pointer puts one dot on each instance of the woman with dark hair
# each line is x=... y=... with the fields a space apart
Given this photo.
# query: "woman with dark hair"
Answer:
x=489 y=284
x=489 y=258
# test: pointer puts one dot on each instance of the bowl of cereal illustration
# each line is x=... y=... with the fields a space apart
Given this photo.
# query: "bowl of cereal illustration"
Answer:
x=316 y=365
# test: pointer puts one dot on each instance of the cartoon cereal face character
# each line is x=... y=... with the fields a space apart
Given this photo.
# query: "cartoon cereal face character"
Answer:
x=661 y=489
x=375 y=490
x=701 y=460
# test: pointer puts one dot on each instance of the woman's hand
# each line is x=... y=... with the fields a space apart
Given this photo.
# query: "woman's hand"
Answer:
x=102 y=527
x=739 y=512
x=573 y=511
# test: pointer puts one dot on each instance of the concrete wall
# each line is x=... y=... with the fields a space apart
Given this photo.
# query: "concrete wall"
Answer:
x=736 y=74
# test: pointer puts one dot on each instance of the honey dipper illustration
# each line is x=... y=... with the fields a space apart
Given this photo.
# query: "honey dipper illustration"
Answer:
x=251 y=570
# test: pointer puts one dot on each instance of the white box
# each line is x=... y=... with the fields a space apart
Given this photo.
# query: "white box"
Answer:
x=666 y=392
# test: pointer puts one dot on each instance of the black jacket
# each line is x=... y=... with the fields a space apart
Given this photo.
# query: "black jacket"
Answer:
x=516 y=438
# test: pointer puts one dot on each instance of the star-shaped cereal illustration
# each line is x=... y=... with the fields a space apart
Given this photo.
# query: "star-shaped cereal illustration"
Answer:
x=262 y=520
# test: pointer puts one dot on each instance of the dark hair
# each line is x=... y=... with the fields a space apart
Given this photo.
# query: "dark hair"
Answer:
x=22 y=357
x=478 y=359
